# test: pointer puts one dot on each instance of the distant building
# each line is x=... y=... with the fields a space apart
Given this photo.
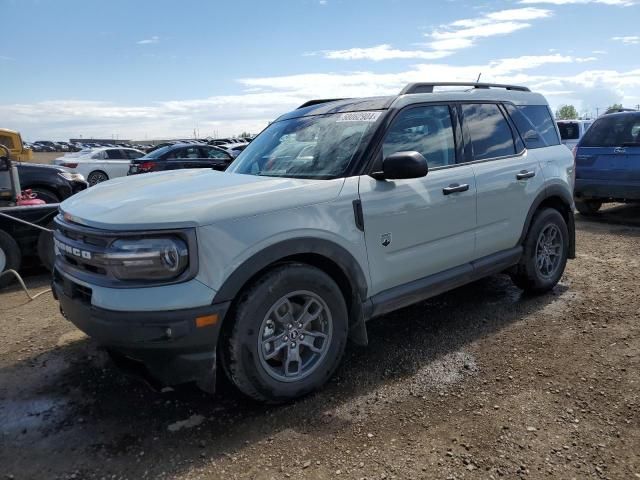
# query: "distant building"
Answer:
x=110 y=141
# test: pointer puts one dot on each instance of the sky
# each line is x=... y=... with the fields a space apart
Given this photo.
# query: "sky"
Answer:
x=149 y=69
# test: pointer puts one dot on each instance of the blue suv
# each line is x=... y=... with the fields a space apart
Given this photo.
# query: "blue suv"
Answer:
x=608 y=162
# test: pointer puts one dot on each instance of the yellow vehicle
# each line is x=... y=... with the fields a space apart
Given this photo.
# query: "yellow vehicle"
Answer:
x=13 y=141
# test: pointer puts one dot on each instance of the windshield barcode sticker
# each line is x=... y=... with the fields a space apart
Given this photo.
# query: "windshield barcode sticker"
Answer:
x=359 y=117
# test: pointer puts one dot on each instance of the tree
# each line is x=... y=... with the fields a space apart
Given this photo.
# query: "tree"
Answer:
x=616 y=107
x=566 y=112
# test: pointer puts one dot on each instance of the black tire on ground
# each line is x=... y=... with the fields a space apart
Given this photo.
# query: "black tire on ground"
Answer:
x=10 y=257
x=46 y=195
x=97 y=176
x=45 y=248
x=528 y=274
x=250 y=323
x=588 y=207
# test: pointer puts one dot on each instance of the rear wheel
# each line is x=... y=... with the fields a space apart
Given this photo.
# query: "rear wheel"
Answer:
x=588 y=207
x=45 y=195
x=288 y=334
x=546 y=249
x=10 y=257
x=97 y=177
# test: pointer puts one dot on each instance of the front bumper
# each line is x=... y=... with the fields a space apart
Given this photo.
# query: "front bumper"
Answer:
x=167 y=346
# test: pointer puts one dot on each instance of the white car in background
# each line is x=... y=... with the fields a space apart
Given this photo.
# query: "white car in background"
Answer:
x=571 y=131
x=100 y=164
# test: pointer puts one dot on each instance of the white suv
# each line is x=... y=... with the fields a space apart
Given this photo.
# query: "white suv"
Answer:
x=338 y=212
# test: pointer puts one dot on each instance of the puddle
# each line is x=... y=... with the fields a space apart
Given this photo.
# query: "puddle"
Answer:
x=18 y=416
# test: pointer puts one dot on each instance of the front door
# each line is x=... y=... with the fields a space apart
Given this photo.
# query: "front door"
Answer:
x=418 y=227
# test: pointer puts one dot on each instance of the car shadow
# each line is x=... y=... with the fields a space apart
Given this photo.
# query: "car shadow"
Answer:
x=615 y=214
x=70 y=409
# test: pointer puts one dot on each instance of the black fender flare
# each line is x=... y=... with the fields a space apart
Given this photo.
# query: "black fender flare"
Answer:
x=293 y=249
x=553 y=191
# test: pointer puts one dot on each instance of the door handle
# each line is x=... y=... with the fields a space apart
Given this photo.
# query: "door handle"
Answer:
x=523 y=175
x=455 y=188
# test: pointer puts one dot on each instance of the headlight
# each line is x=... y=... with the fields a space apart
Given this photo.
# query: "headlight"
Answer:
x=72 y=177
x=147 y=258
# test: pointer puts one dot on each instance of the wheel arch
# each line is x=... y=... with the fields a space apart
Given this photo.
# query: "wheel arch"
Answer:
x=325 y=255
x=559 y=199
x=53 y=189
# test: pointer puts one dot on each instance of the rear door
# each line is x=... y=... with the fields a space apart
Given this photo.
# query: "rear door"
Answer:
x=116 y=163
x=508 y=176
x=610 y=150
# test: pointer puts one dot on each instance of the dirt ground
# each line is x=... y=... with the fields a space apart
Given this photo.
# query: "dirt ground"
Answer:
x=480 y=383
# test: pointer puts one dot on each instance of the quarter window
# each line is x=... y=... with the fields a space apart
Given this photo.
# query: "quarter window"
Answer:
x=540 y=117
x=427 y=130
x=490 y=133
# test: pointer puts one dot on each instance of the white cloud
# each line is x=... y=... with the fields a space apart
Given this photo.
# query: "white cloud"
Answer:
x=147 y=41
x=382 y=52
x=265 y=98
x=463 y=33
x=446 y=39
x=628 y=39
x=621 y=3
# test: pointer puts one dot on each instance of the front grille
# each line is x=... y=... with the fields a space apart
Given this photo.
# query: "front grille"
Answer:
x=81 y=248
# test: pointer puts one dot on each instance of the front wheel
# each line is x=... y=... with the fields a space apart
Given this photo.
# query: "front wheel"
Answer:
x=545 y=253
x=288 y=334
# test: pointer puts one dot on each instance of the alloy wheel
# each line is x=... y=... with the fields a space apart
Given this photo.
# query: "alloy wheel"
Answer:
x=295 y=336
x=549 y=251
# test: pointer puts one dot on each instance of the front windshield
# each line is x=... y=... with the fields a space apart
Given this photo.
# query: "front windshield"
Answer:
x=319 y=146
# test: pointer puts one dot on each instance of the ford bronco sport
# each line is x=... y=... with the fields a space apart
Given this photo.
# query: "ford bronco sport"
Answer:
x=338 y=212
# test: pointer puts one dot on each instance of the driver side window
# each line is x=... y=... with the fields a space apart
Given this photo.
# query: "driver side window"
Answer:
x=427 y=130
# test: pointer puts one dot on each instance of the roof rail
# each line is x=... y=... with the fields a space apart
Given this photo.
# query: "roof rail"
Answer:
x=318 y=102
x=428 y=87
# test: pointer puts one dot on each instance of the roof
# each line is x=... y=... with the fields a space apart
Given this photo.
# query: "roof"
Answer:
x=424 y=93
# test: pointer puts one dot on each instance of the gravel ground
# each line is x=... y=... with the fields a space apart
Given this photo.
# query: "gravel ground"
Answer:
x=483 y=382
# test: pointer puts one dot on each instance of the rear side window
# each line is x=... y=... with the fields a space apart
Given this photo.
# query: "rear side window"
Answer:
x=490 y=133
x=613 y=131
x=540 y=117
x=115 y=154
x=569 y=130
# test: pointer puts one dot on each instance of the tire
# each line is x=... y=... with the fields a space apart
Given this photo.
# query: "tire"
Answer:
x=10 y=257
x=263 y=312
x=45 y=194
x=45 y=248
x=588 y=207
x=529 y=275
x=97 y=176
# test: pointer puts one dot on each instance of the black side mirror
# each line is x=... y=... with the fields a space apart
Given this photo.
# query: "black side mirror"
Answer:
x=402 y=165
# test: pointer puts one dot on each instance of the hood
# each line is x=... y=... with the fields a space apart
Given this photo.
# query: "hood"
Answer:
x=189 y=198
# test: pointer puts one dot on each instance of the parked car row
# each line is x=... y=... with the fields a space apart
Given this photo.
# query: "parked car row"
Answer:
x=101 y=164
